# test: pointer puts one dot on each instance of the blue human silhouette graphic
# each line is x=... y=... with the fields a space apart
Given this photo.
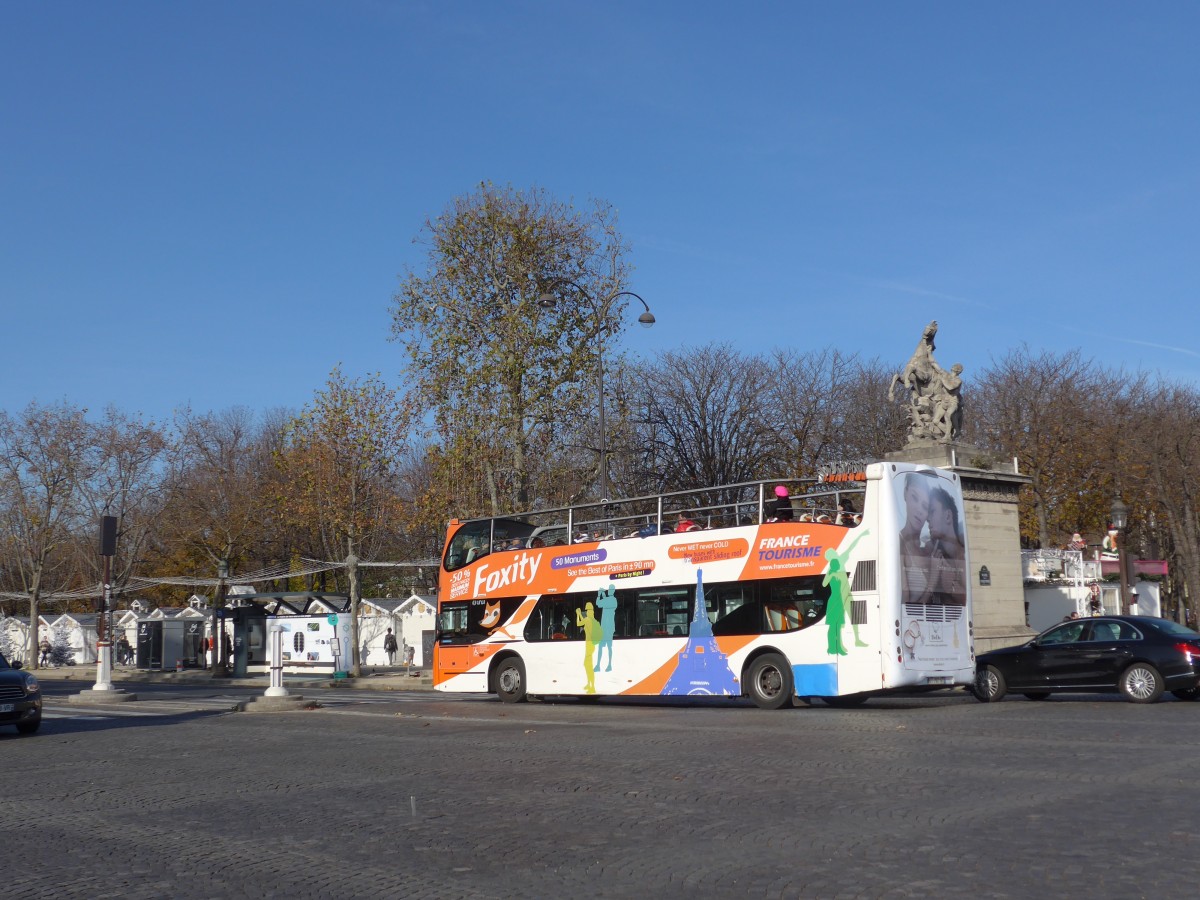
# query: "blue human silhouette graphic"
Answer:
x=606 y=602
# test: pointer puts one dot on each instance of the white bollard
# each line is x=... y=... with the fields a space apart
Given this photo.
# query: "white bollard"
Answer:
x=103 y=667
x=276 y=689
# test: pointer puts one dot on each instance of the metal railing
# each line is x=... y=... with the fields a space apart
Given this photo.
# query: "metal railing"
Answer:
x=724 y=506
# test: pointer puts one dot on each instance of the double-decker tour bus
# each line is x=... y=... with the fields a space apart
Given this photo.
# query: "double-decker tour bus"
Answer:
x=840 y=587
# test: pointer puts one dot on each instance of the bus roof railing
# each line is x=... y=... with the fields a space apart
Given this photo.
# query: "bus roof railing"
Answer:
x=720 y=506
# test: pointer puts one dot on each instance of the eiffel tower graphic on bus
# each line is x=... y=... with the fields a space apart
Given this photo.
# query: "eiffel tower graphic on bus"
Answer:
x=702 y=667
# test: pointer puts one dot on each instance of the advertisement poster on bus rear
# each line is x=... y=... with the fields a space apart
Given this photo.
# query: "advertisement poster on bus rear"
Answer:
x=933 y=569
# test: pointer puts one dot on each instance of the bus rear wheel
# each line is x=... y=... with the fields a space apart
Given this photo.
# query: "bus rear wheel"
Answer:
x=769 y=681
x=510 y=680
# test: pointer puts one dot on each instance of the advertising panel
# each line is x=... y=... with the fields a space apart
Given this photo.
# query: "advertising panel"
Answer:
x=314 y=641
x=933 y=569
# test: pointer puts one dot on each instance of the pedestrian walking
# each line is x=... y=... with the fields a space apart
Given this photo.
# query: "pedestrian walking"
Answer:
x=389 y=647
x=44 y=646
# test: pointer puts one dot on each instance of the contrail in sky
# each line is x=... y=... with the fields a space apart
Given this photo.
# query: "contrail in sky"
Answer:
x=922 y=292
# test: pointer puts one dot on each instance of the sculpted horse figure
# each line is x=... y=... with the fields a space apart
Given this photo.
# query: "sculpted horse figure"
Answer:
x=934 y=409
x=918 y=374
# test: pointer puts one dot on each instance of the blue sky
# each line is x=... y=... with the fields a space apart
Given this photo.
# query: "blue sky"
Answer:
x=210 y=203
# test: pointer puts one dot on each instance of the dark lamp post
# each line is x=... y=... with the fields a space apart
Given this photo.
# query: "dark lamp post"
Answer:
x=601 y=308
x=220 y=664
x=1120 y=518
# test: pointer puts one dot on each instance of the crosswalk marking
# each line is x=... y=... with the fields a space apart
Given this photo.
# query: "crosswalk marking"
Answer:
x=150 y=707
x=138 y=709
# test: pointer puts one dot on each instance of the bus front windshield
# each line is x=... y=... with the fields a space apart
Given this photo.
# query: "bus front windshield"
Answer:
x=483 y=536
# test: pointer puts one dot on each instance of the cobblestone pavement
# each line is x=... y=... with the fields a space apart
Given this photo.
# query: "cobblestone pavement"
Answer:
x=417 y=795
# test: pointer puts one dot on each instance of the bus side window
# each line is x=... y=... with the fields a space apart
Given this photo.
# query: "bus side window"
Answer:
x=552 y=627
x=783 y=616
x=621 y=618
x=660 y=610
x=548 y=620
x=794 y=603
x=564 y=627
x=732 y=609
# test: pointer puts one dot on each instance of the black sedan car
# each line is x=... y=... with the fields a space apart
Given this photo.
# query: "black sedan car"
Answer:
x=1140 y=656
x=20 y=698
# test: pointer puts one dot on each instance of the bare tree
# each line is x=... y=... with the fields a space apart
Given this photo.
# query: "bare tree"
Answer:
x=339 y=458
x=45 y=457
x=701 y=415
x=1055 y=414
x=713 y=415
x=868 y=425
x=1172 y=450
x=127 y=481
x=218 y=497
x=812 y=397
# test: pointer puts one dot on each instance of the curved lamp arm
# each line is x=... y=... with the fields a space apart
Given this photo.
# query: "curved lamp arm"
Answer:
x=547 y=299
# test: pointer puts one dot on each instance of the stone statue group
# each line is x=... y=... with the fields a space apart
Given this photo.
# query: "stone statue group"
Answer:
x=934 y=395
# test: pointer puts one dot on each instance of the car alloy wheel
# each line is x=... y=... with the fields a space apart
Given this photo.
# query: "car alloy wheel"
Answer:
x=1141 y=683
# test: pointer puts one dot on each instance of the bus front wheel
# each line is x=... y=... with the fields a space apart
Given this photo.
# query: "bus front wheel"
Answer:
x=769 y=681
x=510 y=680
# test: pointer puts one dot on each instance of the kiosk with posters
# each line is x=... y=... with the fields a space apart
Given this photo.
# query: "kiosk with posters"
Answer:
x=310 y=641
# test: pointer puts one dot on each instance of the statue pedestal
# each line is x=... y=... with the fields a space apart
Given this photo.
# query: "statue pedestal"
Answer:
x=990 y=491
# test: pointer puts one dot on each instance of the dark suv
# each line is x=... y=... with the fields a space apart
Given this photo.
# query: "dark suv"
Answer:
x=20 y=698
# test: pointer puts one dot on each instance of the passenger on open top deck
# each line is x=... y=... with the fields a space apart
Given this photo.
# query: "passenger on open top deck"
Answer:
x=651 y=530
x=685 y=524
x=781 y=506
x=476 y=547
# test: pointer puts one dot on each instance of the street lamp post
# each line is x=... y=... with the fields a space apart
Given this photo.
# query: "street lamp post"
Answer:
x=104 y=642
x=1120 y=518
x=220 y=664
x=602 y=310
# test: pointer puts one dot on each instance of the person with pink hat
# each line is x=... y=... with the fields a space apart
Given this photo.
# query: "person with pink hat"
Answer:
x=782 y=508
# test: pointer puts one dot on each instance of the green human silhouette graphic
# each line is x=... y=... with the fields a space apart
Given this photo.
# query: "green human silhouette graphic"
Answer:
x=586 y=619
x=606 y=602
x=839 y=597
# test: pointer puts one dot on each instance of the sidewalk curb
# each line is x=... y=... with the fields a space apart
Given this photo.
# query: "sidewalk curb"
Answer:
x=374 y=681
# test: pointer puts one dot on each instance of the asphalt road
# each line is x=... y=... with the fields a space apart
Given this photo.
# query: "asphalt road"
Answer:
x=416 y=794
